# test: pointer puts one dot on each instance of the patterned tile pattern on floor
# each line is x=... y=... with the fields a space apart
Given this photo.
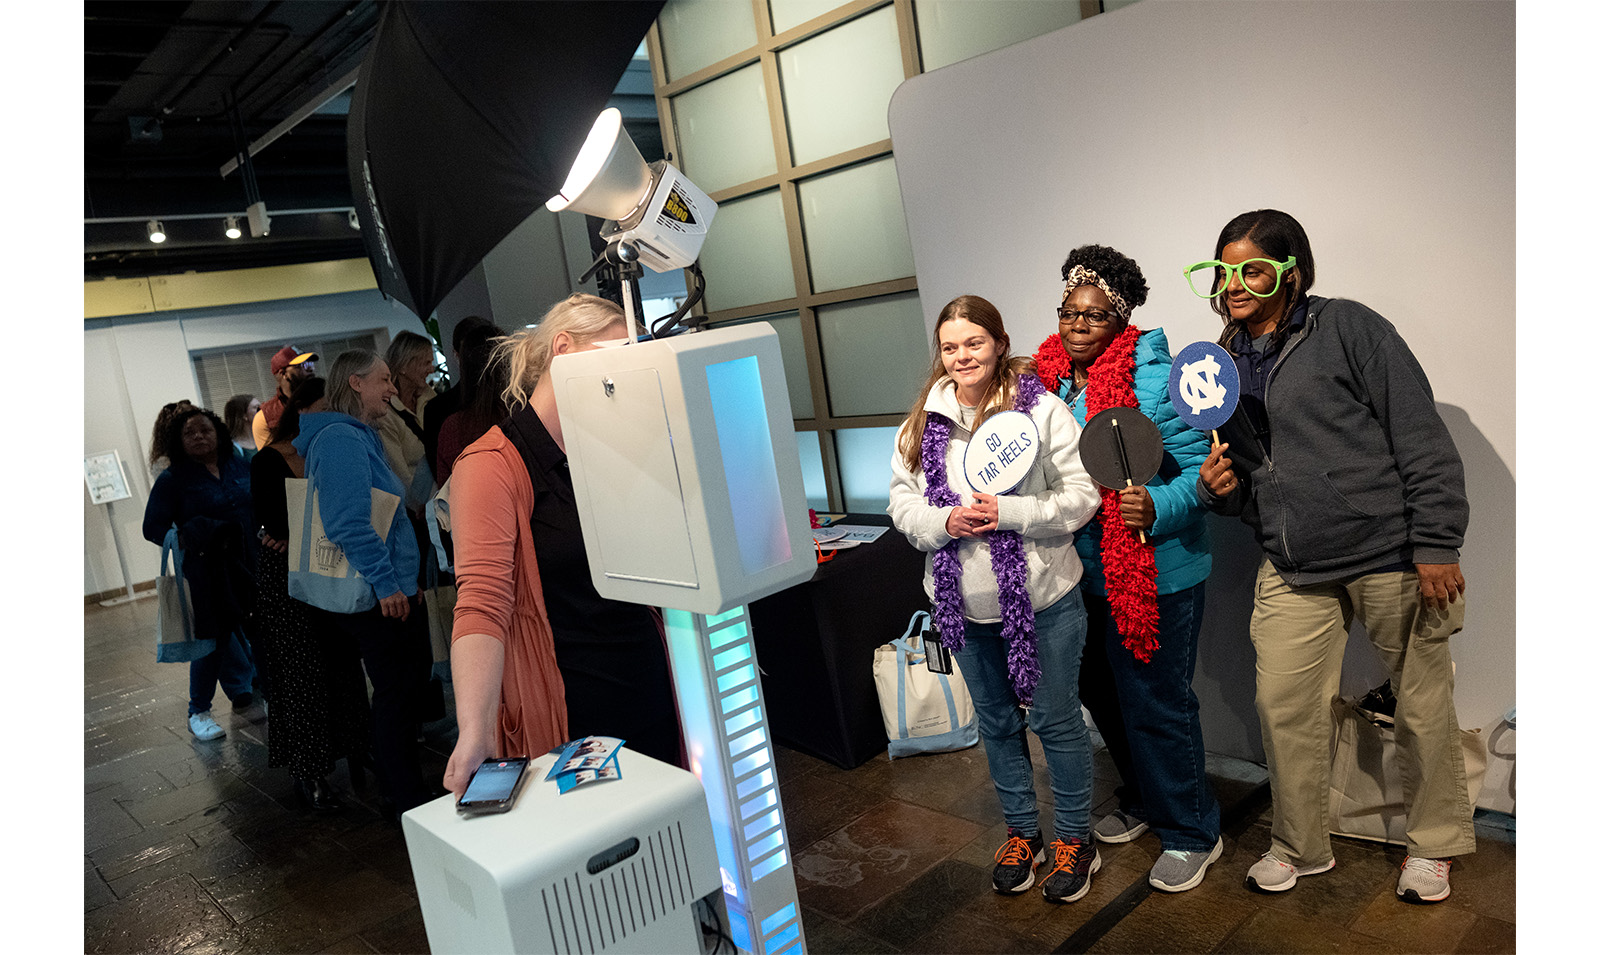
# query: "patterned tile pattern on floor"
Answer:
x=201 y=849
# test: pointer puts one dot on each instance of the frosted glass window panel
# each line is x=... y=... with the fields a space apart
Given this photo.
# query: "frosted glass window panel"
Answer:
x=746 y=255
x=810 y=446
x=854 y=226
x=791 y=342
x=875 y=354
x=949 y=31
x=698 y=33
x=836 y=86
x=792 y=13
x=864 y=455
x=724 y=133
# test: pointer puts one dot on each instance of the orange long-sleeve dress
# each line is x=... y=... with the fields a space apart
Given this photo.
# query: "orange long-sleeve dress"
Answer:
x=499 y=593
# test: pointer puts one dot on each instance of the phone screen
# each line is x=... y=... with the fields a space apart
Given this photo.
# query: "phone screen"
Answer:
x=495 y=781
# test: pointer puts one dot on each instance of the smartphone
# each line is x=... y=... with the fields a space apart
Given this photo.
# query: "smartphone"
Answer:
x=494 y=785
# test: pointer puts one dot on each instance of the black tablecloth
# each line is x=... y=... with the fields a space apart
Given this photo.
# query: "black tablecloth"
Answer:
x=815 y=641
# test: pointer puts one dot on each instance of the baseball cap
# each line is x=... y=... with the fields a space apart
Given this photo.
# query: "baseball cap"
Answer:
x=289 y=355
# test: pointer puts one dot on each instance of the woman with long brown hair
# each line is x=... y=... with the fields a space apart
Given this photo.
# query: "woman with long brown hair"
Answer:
x=1003 y=575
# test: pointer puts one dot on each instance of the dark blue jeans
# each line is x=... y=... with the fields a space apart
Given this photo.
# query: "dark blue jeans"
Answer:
x=1150 y=719
x=230 y=664
x=1055 y=717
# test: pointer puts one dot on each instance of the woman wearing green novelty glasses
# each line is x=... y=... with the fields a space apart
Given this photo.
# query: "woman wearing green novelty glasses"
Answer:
x=1338 y=460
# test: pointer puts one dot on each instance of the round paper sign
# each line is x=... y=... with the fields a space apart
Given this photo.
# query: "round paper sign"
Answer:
x=1119 y=445
x=1204 y=385
x=1002 y=450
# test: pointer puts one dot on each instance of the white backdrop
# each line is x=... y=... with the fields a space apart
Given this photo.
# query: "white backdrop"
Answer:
x=1387 y=129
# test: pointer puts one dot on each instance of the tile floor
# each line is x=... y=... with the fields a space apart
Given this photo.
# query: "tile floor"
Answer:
x=199 y=848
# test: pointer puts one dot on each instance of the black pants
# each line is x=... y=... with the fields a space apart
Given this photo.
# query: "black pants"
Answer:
x=399 y=661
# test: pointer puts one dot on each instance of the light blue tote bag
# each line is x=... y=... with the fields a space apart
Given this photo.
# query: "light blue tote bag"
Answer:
x=923 y=711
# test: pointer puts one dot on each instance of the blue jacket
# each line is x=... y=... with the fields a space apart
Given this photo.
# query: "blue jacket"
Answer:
x=1182 y=542
x=344 y=462
x=187 y=490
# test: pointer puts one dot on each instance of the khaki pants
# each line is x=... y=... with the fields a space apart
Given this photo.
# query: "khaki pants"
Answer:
x=1299 y=635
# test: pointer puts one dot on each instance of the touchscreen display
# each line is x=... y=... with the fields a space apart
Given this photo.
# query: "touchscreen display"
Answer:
x=494 y=781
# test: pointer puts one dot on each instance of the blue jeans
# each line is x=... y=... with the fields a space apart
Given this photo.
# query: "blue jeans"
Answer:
x=1150 y=719
x=1055 y=716
x=229 y=664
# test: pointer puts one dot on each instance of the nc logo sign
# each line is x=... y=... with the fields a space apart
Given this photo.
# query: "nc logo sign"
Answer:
x=1204 y=385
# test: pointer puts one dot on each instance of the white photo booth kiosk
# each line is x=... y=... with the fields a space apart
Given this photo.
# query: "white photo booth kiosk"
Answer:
x=688 y=486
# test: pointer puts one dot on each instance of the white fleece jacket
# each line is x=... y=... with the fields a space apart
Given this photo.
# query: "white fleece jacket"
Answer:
x=1055 y=499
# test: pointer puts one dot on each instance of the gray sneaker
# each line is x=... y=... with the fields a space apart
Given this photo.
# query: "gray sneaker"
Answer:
x=1424 y=880
x=1272 y=874
x=1118 y=826
x=1178 y=871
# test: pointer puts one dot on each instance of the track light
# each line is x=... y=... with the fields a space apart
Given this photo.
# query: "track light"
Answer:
x=355 y=221
x=232 y=230
x=155 y=231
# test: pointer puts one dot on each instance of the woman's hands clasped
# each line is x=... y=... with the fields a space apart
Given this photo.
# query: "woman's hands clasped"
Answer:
x=981 y=518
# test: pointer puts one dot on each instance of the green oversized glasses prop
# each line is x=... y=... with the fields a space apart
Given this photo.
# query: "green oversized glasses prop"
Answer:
x=1260 y=277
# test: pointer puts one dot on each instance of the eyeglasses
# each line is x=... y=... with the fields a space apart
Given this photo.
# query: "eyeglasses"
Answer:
x=1095 y=317
x=1260 y=277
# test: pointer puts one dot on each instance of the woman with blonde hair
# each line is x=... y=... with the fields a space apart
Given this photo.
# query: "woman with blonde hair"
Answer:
x=538 y=656
x=1002 y=574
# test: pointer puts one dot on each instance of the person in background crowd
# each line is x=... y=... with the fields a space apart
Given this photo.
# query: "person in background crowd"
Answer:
x=289 y=366
x=468 y=331
x=539 y=657
x=1144 y=599
x=205 y=493
x=238 y=414
x=410 y=360
x=159 y=456
x=1338 y=460
x=319 y=697
x=1003 y=575
x=483 y=405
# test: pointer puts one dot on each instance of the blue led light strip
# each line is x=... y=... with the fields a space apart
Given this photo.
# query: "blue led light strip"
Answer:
x=719 y=693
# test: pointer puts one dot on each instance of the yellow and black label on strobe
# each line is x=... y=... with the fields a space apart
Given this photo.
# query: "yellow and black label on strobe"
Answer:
x=677 y=207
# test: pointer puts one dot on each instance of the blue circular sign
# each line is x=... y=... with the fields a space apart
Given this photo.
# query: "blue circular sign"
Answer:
x=1204 y=385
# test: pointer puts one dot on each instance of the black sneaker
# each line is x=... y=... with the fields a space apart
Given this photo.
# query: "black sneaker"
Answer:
x=1016 y=860
x=1075 y=862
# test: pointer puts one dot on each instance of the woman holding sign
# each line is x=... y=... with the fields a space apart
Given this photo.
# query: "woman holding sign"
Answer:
x=345 y=463
x=995 y=508
x=1144 y=600
x=1338 y=460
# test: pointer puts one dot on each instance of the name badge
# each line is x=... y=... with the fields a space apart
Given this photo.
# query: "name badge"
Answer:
x=1002 y=451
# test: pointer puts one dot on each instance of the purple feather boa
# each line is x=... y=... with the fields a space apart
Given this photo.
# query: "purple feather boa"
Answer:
x=1006 y=555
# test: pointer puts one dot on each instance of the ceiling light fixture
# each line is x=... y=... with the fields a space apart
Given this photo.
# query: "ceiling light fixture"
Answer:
x=232 y=230
x=155 y=231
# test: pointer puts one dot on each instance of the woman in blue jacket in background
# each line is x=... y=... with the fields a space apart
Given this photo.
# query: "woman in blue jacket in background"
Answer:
x=1144 y=600
x=344 y=463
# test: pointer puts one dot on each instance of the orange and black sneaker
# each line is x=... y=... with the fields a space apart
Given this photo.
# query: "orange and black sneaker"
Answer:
x=1075 y=862
x=1016 y=860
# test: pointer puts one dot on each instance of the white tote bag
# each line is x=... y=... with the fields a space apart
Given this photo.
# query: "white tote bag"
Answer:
x=319 y=572
x=923 y=711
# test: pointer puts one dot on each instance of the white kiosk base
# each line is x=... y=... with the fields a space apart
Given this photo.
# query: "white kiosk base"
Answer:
x=625 y=866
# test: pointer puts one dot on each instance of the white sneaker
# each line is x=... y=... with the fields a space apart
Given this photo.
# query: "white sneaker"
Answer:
x=1272 y=874
x=1424 y=880
x=204 y=727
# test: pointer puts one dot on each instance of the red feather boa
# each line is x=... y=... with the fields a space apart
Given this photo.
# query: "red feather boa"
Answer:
x=1130 y=567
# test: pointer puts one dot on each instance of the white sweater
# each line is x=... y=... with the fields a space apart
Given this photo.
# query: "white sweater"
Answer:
x=1056 y=498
